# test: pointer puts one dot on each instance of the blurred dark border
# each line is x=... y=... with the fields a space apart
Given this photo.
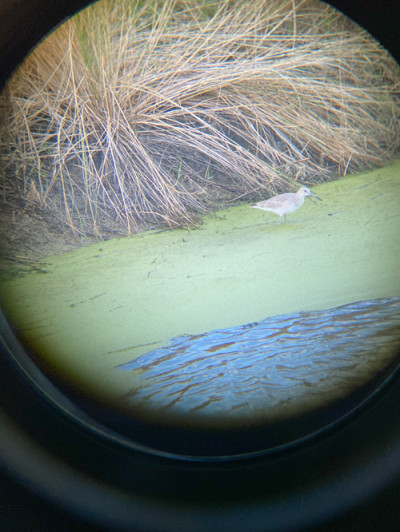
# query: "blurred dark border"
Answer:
x=24 y=22
x=58 y=454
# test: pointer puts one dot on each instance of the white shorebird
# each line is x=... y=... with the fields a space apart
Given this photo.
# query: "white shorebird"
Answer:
x=285 y=203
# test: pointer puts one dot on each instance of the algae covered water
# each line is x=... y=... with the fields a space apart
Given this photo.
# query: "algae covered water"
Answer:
x=94 y=310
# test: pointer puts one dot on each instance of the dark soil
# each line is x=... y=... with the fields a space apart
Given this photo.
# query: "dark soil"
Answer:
x=28 y=234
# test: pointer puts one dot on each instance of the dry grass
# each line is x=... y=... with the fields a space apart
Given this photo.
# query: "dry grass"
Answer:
x=138 y=113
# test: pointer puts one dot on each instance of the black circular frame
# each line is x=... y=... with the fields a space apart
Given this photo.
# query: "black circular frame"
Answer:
x=57 y=472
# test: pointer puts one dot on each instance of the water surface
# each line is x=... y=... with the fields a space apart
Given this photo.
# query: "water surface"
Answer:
x=92 y=310
x=273 y=368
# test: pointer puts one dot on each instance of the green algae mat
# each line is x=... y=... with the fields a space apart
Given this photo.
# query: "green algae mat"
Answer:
x=96 y=308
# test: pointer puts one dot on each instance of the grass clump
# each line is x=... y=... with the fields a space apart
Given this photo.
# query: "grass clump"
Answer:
x=138 y=114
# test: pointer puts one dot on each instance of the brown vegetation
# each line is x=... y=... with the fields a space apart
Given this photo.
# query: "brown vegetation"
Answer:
x=145 y=114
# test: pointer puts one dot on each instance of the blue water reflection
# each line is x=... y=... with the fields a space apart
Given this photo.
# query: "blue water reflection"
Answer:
x=275 y=367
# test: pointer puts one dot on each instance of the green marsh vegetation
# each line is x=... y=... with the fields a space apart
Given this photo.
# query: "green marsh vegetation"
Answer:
x=147 y=114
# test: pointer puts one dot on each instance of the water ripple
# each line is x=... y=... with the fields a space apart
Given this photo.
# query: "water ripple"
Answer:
x=279 y=365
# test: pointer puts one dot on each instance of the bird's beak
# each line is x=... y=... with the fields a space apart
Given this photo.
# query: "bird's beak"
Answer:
x=314 y=196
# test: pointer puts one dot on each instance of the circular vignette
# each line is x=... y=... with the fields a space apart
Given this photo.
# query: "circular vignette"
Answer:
x=69 y=469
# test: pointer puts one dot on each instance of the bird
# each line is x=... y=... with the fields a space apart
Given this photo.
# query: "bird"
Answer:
x=285 y=203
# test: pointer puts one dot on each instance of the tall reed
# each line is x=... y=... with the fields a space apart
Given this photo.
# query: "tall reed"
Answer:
x=148 y=113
